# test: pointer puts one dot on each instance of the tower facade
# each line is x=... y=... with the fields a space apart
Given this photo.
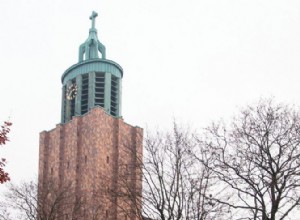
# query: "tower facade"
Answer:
x=89 y=164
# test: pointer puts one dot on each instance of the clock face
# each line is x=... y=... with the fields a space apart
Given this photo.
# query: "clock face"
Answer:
x=71 y=91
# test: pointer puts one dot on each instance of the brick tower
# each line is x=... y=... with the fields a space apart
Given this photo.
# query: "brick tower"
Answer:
x=89 y=163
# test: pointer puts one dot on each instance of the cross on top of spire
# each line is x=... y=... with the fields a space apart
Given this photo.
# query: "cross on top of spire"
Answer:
x=93 y=18
x=91 y=48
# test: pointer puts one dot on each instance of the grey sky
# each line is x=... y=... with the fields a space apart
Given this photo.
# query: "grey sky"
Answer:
x=191 y=60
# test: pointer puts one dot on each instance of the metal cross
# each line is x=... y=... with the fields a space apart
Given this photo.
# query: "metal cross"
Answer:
x=93 y=17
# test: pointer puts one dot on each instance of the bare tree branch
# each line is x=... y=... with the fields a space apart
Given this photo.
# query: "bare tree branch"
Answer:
x=23 y=201
x=257 y=158
x=175 y=184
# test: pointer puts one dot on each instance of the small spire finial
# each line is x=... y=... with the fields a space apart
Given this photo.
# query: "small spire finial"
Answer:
x=93 y=18
x=92 y=46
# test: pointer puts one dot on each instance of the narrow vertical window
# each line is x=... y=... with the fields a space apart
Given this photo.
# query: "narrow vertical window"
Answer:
x=114 y=96
x=84 y=93
x=99 y=89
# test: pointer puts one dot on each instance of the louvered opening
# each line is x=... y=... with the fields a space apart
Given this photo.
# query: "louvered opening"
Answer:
x=114 y=96
x=99 y=89
x=84 y=93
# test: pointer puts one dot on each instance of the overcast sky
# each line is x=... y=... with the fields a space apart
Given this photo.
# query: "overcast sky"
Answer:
x=191 y=60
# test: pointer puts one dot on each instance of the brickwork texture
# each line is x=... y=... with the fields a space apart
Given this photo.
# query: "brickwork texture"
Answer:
x=97 y=158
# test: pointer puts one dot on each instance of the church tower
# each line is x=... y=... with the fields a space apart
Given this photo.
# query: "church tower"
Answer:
x=91 y=160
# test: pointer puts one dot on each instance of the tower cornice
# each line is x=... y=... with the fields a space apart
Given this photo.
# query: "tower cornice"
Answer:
x=92 y=65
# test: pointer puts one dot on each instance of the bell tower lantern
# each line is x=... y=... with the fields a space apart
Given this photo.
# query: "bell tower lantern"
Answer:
x=93 y=81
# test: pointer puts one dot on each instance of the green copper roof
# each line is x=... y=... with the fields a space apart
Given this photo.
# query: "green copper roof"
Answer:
x=92 y=46
x=92 y=65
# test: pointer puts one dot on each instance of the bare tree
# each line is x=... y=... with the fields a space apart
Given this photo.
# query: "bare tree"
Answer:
x=257 y=159
x=23 y=201
x=175 y=185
